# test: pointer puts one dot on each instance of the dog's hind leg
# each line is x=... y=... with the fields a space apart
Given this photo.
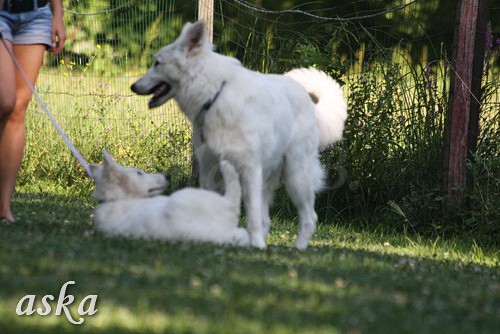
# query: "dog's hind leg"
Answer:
x=253 y=187
x=303 y=178
x=308 y=219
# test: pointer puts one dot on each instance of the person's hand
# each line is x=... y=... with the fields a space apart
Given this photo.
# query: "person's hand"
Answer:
x=58 y=35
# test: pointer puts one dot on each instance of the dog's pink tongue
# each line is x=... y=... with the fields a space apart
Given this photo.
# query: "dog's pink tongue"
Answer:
x=161 y=89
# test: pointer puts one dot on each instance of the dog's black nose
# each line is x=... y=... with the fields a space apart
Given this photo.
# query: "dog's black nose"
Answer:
x=167 y=177
x=133 y=88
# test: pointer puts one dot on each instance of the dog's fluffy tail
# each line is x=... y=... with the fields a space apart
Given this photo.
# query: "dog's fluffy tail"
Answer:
x=331 y=107
x=231 y=183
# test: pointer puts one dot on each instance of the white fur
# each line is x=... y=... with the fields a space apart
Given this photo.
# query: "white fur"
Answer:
x=265 y=125
x=331 y=109
x=131 y=206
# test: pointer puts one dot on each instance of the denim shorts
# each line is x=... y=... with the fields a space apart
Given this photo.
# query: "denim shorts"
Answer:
x=33 y=27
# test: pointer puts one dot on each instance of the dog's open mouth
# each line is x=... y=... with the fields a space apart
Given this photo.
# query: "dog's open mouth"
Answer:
x=159 y=92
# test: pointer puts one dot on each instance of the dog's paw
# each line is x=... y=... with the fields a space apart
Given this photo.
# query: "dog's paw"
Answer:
x=258 y=242
x=241 y=238
x=301 y=244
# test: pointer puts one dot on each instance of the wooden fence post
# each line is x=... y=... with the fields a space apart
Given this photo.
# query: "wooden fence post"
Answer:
x=206 y=13
x=477 y=76
x=465 y=92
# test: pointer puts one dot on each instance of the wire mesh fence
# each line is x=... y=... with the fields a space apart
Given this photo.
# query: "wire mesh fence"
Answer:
x=110 y=43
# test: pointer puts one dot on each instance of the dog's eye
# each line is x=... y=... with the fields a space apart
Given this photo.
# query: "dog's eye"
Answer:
x=157 y=63
x=140 y=173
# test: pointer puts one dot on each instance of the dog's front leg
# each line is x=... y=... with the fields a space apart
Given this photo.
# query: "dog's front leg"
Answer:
x=209 y=174
x=266 y=202
x=252 y=185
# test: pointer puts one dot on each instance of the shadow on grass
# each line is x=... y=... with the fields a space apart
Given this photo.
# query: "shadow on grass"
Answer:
x=144 y=285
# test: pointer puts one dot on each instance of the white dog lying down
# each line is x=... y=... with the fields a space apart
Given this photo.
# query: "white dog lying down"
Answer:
x=131 y=205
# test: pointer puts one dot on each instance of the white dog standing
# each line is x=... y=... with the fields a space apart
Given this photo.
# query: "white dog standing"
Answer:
x=131 y=206
x=260 y=123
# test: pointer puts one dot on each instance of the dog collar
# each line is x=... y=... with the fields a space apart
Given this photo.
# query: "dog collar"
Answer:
x=210 y=102
x=200 y=118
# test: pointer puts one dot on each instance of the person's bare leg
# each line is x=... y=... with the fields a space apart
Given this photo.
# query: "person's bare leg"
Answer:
x=7 y=88
x=7 y=103
x=12 y=128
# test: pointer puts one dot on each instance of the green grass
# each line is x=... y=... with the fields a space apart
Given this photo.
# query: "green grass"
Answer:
x=349 y=281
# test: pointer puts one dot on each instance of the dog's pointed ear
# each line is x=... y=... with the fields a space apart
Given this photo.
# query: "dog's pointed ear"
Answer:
x=107 y=158
x=97 y=176
x=194 y=37
x=110 y=167
x=96 y=171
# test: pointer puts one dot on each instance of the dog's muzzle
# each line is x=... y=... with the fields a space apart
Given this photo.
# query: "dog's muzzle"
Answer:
x=158 y=190
x=159 y=92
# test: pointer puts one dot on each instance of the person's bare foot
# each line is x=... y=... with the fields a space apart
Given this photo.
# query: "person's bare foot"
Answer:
x=7 y=219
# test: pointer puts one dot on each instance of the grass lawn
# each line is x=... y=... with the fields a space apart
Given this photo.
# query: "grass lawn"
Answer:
x=348 y=281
